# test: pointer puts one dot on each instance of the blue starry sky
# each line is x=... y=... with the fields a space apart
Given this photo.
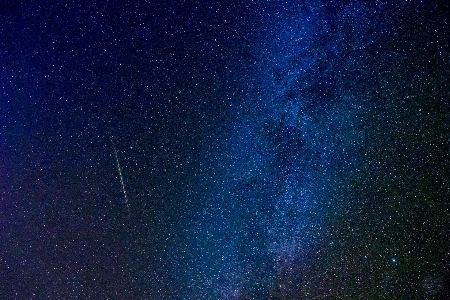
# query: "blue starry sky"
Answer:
x=268 y=149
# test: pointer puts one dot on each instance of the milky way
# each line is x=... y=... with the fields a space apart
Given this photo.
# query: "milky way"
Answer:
x=269 y=150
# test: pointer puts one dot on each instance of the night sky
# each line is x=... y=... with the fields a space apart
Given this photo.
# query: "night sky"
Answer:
x=209 y=149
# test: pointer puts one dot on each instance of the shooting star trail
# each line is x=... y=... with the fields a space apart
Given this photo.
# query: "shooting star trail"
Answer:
x=120 y=176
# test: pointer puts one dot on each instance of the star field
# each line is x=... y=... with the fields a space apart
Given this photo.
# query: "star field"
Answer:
x=224 y=150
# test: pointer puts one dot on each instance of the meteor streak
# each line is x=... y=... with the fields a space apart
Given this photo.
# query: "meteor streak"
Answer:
x=120 y=176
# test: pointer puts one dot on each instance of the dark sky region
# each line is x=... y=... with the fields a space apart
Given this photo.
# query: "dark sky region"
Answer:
x=268 y=149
